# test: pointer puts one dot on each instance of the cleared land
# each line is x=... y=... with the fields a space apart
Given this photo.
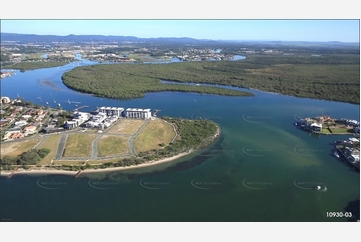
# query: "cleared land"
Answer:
x=112 y=145
x=126 y=126
x=79 y=145
x=97 y=162
x=68 y=162
x=17 y=148
x=151 y=143
x=155 y=132
x=52 y=144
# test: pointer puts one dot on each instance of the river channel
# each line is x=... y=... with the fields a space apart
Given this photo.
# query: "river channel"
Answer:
x=261 y=169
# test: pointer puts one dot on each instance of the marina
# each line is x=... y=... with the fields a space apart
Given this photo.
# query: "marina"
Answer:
x=349 y=151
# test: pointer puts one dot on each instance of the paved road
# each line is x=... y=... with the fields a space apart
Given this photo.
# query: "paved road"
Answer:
x=95 y=147
x=44 y=138
x=130 y=141
x=61 y=146
x=175 y=131
x=95 y=142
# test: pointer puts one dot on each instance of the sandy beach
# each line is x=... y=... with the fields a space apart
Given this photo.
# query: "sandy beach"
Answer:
x=45 y=171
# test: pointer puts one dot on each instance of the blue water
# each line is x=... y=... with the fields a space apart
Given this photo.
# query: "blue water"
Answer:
x=253 y=172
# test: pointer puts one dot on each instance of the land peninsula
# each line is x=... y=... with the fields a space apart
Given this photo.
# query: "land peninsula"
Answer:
x=128 y=143
x=27 y=66
x=127 y=81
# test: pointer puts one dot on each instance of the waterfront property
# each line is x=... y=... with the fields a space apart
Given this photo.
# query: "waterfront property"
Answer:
x=349 y=150
x=78 y=119
x=327 y=125
x=138 y=113
x=111 y=111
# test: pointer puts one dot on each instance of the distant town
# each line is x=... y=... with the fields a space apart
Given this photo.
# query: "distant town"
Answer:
x=139 y=51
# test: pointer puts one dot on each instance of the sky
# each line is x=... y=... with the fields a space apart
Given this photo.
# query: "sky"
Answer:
x=216 y=29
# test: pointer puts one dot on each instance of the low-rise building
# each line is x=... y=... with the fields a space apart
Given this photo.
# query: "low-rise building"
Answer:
x=30 y=129
x=17 y=135
x=20 y=123
x=26 y=116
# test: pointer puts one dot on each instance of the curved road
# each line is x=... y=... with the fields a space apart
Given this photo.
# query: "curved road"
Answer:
x=130 y=141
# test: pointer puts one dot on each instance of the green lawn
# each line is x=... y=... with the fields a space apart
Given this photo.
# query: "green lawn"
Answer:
x=154 y=133
x=79 y=145
x=112 y=145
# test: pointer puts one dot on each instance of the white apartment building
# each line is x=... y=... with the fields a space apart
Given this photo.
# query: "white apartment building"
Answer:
x=112 y=111
x=138 y=113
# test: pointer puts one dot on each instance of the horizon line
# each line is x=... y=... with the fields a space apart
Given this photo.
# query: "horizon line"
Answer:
x=202 y=39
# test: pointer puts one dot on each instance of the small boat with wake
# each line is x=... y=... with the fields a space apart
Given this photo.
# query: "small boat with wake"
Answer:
x=336 y=154
x=321 y=188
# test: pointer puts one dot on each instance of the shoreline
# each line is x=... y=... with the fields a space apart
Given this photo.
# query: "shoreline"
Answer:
x=49 y=171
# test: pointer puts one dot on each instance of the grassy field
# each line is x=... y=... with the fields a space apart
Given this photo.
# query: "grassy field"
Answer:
x=52 y=144
x=337 y=131
x=126 y=126
x=17 y=148
x=153 y=134
x=341 y=131
x=325 y=131
x=79 y=145
x=112 y=145
x=68 y=162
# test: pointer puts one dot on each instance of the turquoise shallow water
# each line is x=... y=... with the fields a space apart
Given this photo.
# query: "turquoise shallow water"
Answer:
x=261 y=168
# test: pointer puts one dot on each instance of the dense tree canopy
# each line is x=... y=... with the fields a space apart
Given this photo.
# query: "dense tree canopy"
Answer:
x=330 y=77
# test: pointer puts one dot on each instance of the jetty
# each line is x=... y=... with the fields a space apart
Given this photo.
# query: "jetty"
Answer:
x=12 y=173
x=77 y=109
x=155 y=112
x=77 y=174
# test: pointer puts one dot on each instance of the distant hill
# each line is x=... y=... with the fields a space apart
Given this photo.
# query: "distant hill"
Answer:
x=26 y=38
x=79 y=39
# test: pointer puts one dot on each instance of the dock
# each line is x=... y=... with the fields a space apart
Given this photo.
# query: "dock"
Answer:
x=77 y=109
x=12 y=173
x=156 y=111
x=77 y=174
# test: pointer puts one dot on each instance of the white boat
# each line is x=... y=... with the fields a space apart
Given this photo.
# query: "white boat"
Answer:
x=321 y=188
x=336 y=154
